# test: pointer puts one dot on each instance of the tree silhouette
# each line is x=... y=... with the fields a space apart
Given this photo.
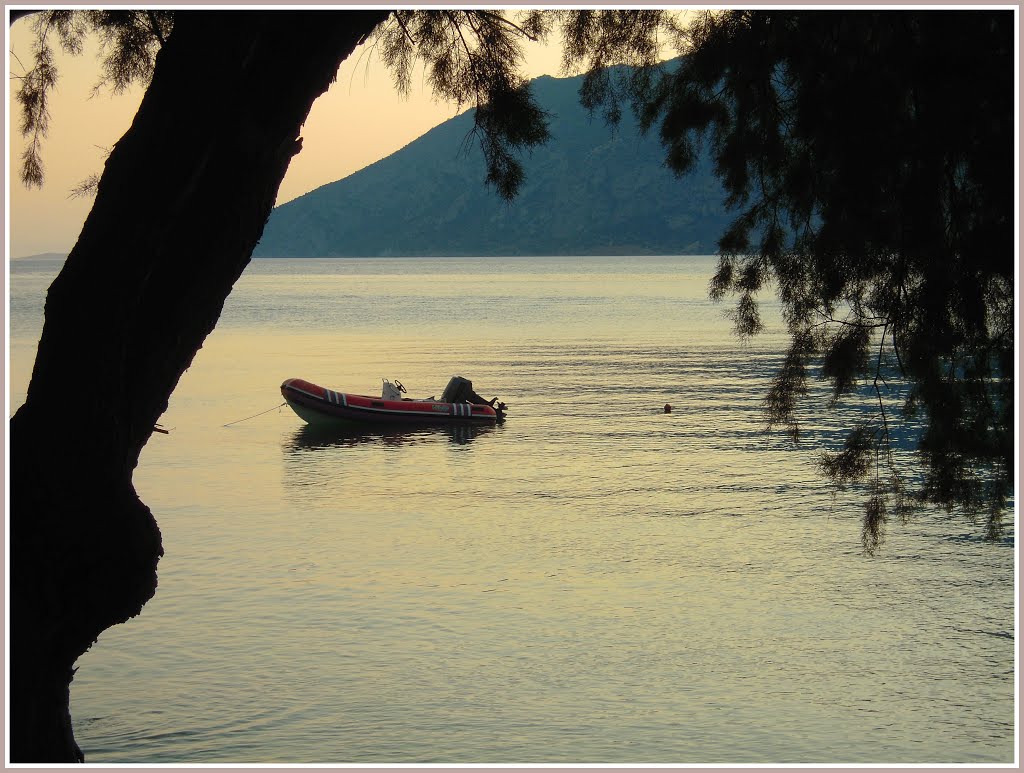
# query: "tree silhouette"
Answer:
x=180 y=204
x=868 y=155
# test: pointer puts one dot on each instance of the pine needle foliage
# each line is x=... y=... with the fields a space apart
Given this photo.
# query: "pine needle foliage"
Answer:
x=128 y=42
x=475 y=57
x=471 y=57
x=869 y=158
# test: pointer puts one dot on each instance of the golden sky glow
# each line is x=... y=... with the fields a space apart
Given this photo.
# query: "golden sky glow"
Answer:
x=360 y=120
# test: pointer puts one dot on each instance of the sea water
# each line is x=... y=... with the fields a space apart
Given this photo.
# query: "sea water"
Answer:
x=592 y=581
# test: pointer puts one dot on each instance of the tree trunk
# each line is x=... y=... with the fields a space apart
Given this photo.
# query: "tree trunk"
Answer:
x=181 y=204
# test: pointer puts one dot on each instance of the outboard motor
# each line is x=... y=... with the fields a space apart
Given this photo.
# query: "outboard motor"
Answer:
x=460 y=390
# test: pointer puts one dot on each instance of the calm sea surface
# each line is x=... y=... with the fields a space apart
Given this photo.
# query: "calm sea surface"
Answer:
x=591 y=581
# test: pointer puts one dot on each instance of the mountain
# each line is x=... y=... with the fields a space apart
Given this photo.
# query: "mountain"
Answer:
x=591 y=189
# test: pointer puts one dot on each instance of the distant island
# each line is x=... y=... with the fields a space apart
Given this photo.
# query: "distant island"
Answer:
x=42 y=256
x=593 y=189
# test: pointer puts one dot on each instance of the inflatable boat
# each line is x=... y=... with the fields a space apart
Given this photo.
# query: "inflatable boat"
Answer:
x=458 y=403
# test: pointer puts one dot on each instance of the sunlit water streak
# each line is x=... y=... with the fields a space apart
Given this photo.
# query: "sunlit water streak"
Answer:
x=592 y=581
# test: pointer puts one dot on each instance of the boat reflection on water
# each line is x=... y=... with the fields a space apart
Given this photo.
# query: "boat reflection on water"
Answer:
x=314 y=437
x=326 y=466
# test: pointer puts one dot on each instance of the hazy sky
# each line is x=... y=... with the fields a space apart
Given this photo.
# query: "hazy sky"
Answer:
x=358 y=121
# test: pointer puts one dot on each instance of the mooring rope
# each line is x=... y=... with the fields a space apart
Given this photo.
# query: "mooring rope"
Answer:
x=239 y=421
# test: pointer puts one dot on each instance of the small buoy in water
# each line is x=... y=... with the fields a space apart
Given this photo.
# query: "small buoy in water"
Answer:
x=668 y=408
